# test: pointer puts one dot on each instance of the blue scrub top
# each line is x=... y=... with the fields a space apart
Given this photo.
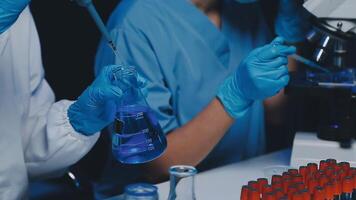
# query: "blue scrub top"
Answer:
x=185 y=58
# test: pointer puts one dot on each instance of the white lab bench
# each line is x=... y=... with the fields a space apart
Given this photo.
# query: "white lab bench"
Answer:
x=225 y=182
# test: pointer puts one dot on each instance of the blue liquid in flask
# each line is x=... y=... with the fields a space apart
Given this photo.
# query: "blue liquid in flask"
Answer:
x=138 y=137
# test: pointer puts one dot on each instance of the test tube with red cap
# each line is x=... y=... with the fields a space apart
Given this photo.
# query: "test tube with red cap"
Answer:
x=347 y=187
x=303 y=170
x=244 y=192
x=319 y=193
x=344 y=166
x=261 y=183
x=253 y=195
x=329 y=191
x=312 y=167
x=323 y=165
x=266 y=189
x=276 y=178
x=337 y=189
x=254 y=185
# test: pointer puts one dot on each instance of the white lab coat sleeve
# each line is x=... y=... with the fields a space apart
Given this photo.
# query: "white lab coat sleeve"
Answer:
x=13 y=172
x=50 y=142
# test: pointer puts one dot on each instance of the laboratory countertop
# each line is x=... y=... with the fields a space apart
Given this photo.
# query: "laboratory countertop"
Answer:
x=226 y=182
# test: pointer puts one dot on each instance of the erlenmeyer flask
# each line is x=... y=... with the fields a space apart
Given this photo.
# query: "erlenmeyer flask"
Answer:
x=138 y=137
x=182 y=182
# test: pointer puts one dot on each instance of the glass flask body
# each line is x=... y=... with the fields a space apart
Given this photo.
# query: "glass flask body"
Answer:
x=182 y=183
x=141 y=191
x=137 y=137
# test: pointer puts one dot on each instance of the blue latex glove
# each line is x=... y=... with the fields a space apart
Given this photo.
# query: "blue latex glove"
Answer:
x=262 y=74
x=96 y=108
x=10 y=11
x=292 y=21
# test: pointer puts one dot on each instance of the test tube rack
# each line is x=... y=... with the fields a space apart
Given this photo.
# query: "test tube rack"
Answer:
x=329 y=180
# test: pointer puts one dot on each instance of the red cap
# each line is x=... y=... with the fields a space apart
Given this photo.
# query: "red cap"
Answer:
x=312 y=167
x=333 y=176
x=347 y=184
x=329 y=171
x=277 y=178
x=278 y=193
x=352 y=171
x=329 y=191
x=331 y=161
x=291 y=191
x=254 y=185
x=308 y=177
x=293 y=171
x=269 y=196
x=303 y=170
x=342 y=174
x=318 y=174
x=298 y=196
x=297 y=178
x=267 y=188
x=319 y=193
x=323 y=180
x=286 y=184
x=306 y=195
x=244 y=192
x=286 y=175
x=253 y=195
x=261 y=182
x=277 y=185
x=312 y=184
x=300 y=185
x=345 y=166
x=323 y=165
x=337 y=167
x=337 y=186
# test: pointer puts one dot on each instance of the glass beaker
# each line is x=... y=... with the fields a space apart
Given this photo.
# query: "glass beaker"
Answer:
x=141 y=191
x=137 y=137
x=182 y=182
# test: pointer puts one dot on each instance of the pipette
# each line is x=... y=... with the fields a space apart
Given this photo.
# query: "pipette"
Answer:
x=309 y=63
x=88 y=4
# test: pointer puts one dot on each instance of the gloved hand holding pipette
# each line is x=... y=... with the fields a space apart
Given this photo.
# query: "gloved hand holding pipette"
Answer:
x=262 y=74
x=10 y=11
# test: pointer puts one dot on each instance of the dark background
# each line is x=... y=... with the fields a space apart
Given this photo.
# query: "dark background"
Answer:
x=69 y=40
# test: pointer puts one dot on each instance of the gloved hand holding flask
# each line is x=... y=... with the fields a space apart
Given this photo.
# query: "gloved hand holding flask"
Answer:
x=95 y=108
x=262 y=74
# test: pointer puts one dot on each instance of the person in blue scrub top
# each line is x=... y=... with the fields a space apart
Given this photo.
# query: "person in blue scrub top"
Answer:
x=210 y=65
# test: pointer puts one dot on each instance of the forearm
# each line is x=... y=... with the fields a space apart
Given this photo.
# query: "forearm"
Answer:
x=191 y=143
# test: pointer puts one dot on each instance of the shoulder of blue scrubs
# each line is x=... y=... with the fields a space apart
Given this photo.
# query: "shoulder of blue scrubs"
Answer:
x=136 y=27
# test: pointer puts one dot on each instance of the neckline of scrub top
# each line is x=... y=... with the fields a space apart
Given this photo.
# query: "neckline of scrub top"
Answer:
x=212 y=35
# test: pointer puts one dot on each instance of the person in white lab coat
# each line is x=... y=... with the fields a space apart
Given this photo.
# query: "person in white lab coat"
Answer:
x=39 y=137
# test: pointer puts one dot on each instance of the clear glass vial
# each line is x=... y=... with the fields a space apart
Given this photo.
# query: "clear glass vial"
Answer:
x=182 y=182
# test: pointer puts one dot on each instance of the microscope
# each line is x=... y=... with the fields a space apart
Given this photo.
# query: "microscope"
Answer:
x=334 y=93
